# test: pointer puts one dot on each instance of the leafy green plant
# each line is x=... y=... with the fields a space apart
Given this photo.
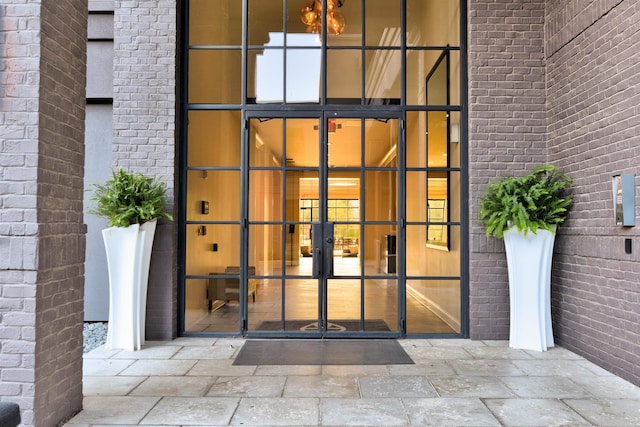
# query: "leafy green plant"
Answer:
x=537 y=200
x=128 y=198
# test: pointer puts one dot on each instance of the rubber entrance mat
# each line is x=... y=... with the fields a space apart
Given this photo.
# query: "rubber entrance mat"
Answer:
x=322 y=352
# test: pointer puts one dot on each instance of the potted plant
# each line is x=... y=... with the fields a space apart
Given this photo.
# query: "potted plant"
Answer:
x=525 y=212
x=132 y=203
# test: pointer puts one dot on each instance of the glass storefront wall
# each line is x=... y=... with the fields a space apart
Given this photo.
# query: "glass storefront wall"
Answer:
x=305 y=114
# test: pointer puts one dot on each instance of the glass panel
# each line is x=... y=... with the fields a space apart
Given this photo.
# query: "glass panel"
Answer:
x=416 y=139
x=433 y=306
x=212 y=248
x=344 y=76
x=454 y=139
x=427 y=259
x=381 y=197
x=266 y=312
x=309 y=210
x=221 y=317
x=381 y=304
x=266 y=146
x=215 y=22
x=437 y=147
x=301 y=305
x=213 y=195
x=303 y=142
x=215 y=76
x=301 y=185
x=416 y=196
x=379 y=250
x=214 y=138
x=381 y=143
x=303 y=70
x=352 y=33
x=427 y=79
x=265 y=195
x=344 y=142
x=343 y=303
x=384 y=75
x=383 y=23
x=265 y=18
x=454 y=196
x=346 y=247
x=433 y=22
x=265 y=249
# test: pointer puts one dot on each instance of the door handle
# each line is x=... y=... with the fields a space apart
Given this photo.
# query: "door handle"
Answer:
x=317 y=263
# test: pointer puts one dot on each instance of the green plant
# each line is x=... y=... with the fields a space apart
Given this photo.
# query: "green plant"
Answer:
x=537 y=200
x=128 y=198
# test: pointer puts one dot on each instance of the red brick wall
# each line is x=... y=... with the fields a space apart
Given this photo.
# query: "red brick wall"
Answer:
x=593 y=74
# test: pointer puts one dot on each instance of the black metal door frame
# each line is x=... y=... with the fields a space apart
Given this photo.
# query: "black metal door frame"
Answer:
x=322 y=229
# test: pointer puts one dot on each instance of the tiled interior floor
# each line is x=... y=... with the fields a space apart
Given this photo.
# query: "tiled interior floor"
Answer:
x=192 y=382
x=344 y=301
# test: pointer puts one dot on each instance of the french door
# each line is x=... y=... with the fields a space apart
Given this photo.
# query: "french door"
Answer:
x=323 y=207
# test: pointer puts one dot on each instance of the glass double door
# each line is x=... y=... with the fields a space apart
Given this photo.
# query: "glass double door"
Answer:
x=322 y=237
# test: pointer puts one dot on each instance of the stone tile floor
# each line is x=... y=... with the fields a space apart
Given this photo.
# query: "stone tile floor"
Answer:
x=192 y=382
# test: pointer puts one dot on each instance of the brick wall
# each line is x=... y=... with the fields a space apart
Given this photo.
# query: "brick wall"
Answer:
x=507 y=124
x=593 y=95
x=41 y=231
x=144 y=105
x=19 y=87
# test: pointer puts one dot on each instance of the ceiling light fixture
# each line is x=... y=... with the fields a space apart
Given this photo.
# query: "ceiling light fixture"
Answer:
x=311 y=15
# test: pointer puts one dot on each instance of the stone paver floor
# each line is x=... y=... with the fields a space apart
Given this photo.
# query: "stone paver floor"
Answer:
x=192 y=382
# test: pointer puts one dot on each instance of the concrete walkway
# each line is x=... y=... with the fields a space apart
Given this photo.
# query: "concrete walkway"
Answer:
x=192 y=382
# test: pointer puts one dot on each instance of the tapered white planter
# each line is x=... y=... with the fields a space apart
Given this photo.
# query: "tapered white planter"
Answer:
x=128 y=258
x=529 y=265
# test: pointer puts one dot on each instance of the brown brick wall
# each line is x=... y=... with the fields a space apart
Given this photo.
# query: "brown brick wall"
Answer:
x=61 y=239
x=507 y=124
x=593 y=71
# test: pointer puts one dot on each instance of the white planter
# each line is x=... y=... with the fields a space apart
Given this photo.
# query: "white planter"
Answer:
x=529 y=264
x=128 y=258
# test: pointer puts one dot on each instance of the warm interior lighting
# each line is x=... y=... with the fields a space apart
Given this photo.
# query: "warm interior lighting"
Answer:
x=311 y=15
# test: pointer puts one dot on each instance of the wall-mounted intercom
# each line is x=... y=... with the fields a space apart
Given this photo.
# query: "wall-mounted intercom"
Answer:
x=204 y=207
x=624 y=202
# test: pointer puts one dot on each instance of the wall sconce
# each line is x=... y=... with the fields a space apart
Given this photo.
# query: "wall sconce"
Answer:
x=454 y=136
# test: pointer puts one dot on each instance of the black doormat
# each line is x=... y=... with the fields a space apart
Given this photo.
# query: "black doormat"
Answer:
x=322 y=352
x=332 y=325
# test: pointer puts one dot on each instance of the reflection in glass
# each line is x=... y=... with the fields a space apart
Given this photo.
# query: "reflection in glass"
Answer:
x=266 y=312
x=433 y=306
x=383 y=22
x=383 y=76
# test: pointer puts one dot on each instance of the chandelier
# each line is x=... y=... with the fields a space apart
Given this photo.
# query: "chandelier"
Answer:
x=311 y=15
